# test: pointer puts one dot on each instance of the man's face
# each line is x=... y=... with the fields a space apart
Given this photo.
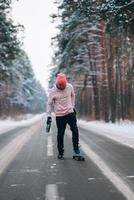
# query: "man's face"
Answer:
x=61 y=86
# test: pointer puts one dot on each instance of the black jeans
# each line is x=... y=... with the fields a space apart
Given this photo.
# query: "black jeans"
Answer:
x=61 y=122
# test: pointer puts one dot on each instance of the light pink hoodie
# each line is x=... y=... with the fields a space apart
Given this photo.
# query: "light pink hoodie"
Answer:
x=61 y=100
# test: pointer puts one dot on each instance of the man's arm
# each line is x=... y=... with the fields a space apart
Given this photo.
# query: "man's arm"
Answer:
x=49 y=104
x=73 y=96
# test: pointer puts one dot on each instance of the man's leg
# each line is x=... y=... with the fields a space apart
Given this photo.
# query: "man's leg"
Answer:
x=61 y=125
x=71 y=120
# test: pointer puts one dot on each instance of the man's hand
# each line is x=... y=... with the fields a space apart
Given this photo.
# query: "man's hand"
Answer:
x=49 y=120
x=74 y=111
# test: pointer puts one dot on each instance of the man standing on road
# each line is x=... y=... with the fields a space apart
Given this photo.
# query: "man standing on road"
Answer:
x=62 y=98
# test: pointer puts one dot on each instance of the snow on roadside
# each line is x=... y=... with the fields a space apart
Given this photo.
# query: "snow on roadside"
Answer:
x=9 y=124
x=120 y=132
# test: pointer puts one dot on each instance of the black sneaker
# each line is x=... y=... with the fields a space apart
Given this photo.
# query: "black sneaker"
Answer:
x=77 y=151
x=60 y=156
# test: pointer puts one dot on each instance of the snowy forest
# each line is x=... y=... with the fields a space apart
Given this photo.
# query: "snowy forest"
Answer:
x=95 y=48
x=20 y=92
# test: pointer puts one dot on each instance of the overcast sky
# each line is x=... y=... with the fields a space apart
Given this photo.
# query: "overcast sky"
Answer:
x=34 y=15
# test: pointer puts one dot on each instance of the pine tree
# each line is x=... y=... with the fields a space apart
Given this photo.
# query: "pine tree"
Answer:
x=19 y=90
x=95 y=48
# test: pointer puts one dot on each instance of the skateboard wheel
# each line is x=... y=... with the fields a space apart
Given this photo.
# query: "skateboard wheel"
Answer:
x=78 y=158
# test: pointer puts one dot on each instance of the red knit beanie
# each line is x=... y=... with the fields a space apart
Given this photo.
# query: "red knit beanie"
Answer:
x=61 y=79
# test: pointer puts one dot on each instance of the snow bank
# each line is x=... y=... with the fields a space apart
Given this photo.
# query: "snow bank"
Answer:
x=121 y=132
x=10 y=124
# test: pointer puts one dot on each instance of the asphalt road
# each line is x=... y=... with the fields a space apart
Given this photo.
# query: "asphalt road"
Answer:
x=30 y=170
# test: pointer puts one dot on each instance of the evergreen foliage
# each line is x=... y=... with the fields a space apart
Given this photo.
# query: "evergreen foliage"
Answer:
x=95 y=50
x=19 y=90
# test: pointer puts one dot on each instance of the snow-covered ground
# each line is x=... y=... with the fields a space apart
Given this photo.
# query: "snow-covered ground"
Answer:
x=121 y=132
x=10 y=124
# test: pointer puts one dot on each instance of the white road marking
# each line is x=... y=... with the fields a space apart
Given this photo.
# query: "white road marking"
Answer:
x=118 y=182
x=49 y=146
x=130 y=176
x=24 y=171
x=90 y=179
x=10 y=151
x=17 y=185
x=51 y=192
